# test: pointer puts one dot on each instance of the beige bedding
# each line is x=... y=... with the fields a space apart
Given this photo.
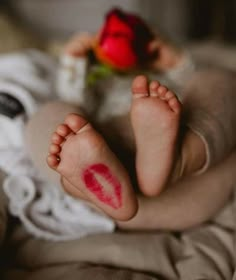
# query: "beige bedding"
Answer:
x=206 y=252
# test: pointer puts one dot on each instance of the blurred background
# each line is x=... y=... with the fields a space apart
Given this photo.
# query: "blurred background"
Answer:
x=38 y=22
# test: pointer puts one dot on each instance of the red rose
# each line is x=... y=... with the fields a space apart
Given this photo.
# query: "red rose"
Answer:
x=123 y=41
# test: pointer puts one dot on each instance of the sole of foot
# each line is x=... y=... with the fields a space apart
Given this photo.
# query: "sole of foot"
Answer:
x=155 y=116
x=84 y=160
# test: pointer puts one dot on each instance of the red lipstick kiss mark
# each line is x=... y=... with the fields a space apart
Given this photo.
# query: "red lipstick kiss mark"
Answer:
x=112 y=196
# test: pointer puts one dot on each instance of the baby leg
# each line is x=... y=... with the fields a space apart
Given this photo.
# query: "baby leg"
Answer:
x=209 y=110
x=187 y=203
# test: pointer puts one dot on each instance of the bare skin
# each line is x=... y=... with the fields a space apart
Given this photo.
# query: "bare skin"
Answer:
x=90 y=170
x=155 y=116
x=76 y=146
x=168 y=56
x=161 y=156
x=80 y=44
x=187 y=204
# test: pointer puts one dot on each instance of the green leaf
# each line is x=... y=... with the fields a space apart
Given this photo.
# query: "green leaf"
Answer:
x=98 y=72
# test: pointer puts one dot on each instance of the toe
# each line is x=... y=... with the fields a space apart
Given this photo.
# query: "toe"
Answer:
x=63 y=130
x=53 y=161
x=75 y=122
x=57 y=139
x=54 y=149
x=154 y=88
x=140 y=87
x=175 y=104
x=161 y=91
x=169 y=95
x=170 y=98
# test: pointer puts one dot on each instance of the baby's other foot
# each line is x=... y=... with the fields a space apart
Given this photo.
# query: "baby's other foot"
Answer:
x=85 y=162
x=155 y=115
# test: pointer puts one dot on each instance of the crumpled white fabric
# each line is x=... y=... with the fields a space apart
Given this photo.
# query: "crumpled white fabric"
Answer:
x=44 y=209
x=48 y=213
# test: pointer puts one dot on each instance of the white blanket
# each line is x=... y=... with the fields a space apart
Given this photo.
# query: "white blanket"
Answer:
x=27 y=80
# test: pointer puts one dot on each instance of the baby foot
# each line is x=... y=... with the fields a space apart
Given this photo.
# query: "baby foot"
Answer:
x=80 y=44
x=90 y=170
x=155 y=115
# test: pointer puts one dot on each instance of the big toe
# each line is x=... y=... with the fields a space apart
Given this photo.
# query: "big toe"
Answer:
x=140 y=87
x=75 y=122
